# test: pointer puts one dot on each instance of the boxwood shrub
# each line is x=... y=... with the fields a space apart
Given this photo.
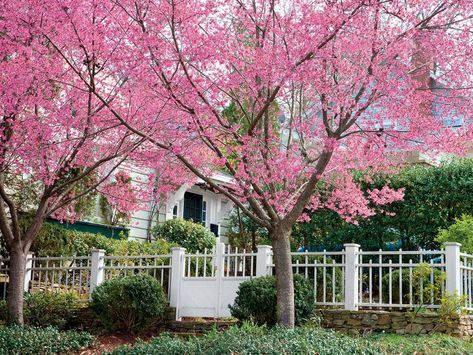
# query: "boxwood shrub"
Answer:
x=26 y=340
x=256 y=300
x=130 y=303
x=187 y=234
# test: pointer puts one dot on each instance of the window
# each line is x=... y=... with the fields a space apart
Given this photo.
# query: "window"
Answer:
x=204 y=212
x=174 y=212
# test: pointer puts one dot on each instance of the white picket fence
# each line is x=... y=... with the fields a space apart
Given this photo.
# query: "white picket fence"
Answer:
x=204 y=284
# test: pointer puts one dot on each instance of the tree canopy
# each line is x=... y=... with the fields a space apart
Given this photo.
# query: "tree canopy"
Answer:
x=354 y=81
x=434 y=197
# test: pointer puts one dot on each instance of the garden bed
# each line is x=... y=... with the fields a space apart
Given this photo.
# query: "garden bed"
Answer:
x=248 y=339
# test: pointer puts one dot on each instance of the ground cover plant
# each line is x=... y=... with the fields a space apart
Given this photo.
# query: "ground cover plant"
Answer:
x=251 y=339
x=27 y=340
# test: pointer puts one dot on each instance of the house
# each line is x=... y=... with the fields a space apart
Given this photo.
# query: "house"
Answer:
x=192 y=201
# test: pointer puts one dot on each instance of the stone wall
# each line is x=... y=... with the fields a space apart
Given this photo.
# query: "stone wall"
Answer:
x=356 y=322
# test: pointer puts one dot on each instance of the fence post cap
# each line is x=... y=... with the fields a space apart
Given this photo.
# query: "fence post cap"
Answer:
x=98 y=250
x=352 y=245
x=263 y=246
x=452 y=244
x=178 y=249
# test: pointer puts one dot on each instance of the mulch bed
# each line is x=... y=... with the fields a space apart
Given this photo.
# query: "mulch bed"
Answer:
x=106 y=343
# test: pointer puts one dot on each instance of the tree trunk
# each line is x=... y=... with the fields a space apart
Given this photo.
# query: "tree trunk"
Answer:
x=253 y=242
x=284 y=277
x=16 y=286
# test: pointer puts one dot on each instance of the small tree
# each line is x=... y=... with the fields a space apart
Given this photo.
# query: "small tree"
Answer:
x=351 y=78
x=57 y=145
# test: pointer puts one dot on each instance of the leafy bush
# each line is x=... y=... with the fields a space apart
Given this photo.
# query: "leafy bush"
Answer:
x=192 y=236
x=250 y=339
x=29 y=340
x=434 y=196
x=50 y=308
x=420 y=275
x=46 y=308
x=461 y=232
x=54 y=240
x=256 y=300
x=131 y=303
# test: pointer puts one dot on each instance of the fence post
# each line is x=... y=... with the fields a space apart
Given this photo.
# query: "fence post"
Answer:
x=28 y=271
x=452 y=268
x=263 y=260
x=177 y=272
x=351 y=276
x=219 y=264
x=96 y=269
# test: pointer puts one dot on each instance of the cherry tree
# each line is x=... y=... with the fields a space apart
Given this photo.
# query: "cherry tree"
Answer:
x=57 y=145
x=282 y=95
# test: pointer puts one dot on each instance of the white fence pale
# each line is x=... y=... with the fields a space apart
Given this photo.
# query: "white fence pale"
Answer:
x=204 y=284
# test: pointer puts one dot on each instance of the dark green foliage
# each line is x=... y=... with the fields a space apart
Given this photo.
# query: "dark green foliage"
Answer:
x=244 y=233
x=256 y=300
x=250 y=339
x=131 y=303
x=48 y=308
x=54 y=240
x=3 y=311
x=187 y=234
x=33 y=341
x=434 y=197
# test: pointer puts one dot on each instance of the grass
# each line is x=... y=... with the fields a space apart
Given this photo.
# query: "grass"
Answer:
x=435 y=344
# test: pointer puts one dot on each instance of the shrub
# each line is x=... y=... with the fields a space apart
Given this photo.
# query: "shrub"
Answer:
x=461 y=232
x=256 y=300
x=192 y=236
x=130 y=303
x=31 y=341
x=50 y=308
x=54 y=240
x=421 y=274
x=251 y=339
